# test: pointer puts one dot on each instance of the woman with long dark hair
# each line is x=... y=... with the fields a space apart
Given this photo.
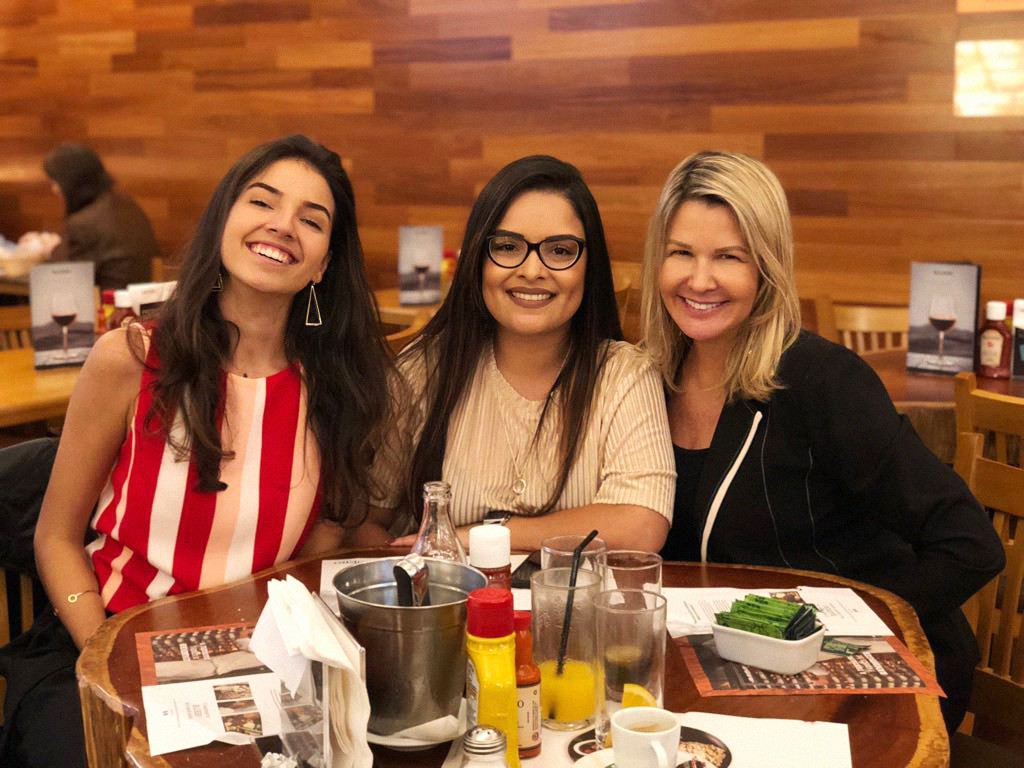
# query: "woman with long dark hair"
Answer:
x=213 y=442
x=525 y=399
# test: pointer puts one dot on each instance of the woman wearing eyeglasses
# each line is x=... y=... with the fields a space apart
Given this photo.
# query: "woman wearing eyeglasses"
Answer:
x=525 y=398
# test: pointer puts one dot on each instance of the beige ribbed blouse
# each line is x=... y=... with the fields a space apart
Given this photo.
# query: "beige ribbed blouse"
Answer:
x=625 y=456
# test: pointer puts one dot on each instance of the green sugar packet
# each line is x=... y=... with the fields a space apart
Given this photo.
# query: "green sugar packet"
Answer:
x=832 y=645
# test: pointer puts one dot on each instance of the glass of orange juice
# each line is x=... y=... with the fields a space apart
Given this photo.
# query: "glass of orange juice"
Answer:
x=568 y=694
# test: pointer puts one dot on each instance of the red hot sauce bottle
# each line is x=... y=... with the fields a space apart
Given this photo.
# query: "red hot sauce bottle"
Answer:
x=527 y=688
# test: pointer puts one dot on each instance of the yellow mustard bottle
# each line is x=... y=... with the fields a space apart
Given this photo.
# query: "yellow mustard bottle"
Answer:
x=491 y=666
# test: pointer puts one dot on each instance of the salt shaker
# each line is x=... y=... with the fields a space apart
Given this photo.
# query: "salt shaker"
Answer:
x=483 y=747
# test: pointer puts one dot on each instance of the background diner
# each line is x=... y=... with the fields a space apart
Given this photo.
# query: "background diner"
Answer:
x=874 y=119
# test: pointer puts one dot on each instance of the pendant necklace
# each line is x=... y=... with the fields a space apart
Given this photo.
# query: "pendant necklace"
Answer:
x=519 y=486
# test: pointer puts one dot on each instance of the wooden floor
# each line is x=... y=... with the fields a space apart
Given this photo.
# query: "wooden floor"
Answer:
x=851 y=101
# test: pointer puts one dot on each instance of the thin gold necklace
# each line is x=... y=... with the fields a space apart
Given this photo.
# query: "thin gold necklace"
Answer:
x=519 y=485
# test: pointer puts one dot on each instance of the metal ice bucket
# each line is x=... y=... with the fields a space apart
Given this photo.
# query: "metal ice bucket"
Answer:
x=415 y=656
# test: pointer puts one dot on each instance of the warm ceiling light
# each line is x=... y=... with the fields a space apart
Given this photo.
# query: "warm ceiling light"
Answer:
x=989 y=78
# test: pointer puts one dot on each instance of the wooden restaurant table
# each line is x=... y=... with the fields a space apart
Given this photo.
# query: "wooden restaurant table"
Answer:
x=885 y=729
x=28 y=395
x=14 y=286
x=387 y=298
x=927 y=398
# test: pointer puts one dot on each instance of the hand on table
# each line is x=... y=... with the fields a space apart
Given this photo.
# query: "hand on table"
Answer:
x=408 y=541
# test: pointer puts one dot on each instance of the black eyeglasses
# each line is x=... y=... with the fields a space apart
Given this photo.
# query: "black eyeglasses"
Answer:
x=558 y=252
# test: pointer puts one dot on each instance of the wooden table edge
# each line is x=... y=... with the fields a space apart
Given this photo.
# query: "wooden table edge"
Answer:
x=100 y=712
x=933 y=741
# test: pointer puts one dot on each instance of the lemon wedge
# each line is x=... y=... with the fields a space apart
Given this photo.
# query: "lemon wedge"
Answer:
x=634 y=695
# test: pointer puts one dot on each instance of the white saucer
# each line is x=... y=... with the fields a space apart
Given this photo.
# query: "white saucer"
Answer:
x=600 y=759
x=605 y=758
x=415 y=745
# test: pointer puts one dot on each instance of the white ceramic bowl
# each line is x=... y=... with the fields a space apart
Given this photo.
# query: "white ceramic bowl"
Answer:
x=787 y=657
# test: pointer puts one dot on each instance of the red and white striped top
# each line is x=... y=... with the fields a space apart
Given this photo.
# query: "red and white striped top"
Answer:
x=160 y=536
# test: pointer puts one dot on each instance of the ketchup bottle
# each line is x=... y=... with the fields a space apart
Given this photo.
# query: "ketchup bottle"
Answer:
x=994 y=343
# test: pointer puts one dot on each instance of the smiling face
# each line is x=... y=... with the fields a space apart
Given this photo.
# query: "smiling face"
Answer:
x=532 y=300
x=277 y=234
x=708 y=278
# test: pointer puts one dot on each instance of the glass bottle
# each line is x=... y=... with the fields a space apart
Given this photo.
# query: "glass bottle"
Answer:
x=994 y=343
x=527 y=688
x=123 y=311
x=490 y=552
x=437 y=536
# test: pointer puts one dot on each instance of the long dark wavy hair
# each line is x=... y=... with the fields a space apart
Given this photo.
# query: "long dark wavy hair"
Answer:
x=457 y=335
x=344 y=362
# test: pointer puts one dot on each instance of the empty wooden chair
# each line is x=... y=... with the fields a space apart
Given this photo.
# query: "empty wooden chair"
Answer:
x=15 y=327
x=817 y=315
x=629 y=314
x=863 y=327
x=999 y=418
x=997 y=699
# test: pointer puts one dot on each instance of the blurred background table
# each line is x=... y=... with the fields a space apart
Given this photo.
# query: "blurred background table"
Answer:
x=13 y=286
x=927 y=398
x=892 y=729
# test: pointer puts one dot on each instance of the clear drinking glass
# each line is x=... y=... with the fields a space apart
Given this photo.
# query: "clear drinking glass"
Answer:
x=567 y=699
x=437 y=536
x=631 y=653
x=557 y=551
x=633 y=569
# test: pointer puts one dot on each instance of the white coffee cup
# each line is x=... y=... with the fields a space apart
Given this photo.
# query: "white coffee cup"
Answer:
x=645 y=737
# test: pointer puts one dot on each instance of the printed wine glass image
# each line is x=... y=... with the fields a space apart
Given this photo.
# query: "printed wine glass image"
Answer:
x=63 y=310
x=942 y=316
x=421 y=265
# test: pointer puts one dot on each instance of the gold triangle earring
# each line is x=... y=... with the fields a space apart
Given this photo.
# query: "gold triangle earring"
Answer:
x=219 y=285
x=313 y=308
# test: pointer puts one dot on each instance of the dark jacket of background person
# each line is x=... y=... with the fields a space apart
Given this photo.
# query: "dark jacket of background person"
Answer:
x=834 y=480
x=103 y=225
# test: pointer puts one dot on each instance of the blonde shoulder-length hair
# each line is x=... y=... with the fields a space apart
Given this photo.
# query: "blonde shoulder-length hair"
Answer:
x=753 y=193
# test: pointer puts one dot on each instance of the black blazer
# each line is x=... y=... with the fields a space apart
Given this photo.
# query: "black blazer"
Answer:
x=826 y=476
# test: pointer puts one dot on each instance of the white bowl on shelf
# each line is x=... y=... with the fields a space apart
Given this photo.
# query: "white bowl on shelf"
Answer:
x=787 y=657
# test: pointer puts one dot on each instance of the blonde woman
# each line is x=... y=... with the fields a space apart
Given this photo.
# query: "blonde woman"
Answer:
x=788 y=449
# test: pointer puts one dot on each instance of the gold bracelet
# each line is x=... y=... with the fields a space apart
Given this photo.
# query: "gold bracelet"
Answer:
x=73 y=597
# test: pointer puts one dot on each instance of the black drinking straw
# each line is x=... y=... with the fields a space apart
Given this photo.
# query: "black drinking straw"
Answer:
x=577 y=554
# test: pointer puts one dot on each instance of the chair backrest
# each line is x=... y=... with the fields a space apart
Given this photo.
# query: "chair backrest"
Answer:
x=818 y=315
x=997 y=698
x=863 y=327
x=629 y=313
x=400 y=326
x=1000 y=418
x=1000 y=488
x=15 y=327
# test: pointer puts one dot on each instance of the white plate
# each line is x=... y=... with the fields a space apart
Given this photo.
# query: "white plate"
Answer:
x=414 y=745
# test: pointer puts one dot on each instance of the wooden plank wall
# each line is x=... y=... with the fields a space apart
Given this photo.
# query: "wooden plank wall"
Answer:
x=850 y=101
